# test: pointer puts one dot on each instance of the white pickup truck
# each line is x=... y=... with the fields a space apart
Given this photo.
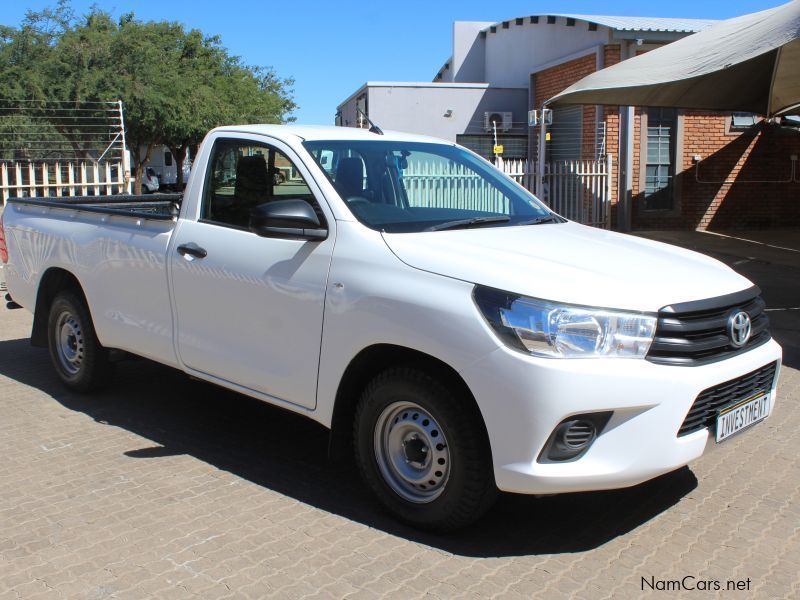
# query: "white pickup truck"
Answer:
x=398 y=289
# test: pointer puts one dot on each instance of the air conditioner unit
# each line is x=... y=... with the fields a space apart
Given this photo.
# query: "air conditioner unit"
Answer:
x=503 y=119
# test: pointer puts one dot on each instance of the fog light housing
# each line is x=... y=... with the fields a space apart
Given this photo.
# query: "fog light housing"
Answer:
x=573 y=437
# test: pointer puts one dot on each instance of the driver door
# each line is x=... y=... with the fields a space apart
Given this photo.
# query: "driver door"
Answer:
x=249 y=308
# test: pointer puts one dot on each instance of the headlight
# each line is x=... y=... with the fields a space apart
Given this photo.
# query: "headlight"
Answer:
x=551 y=330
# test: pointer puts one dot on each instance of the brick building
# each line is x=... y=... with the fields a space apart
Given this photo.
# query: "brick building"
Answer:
x=671 y=168
x=687 y=168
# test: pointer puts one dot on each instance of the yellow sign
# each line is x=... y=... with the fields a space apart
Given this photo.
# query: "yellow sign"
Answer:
x=498 y=149
x=547 y=136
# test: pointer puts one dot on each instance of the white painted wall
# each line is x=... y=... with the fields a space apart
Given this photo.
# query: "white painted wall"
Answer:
x=468 y=64
x=420 y=108
x=347 y=109
x=513 y=54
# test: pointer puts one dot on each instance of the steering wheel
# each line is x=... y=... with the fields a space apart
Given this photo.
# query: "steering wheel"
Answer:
x=357 y=200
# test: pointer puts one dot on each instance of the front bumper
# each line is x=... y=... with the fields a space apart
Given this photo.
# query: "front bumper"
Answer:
x=523 y=398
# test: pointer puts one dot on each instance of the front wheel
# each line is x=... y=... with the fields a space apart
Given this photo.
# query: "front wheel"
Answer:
x=79 y=360
x=423 y=451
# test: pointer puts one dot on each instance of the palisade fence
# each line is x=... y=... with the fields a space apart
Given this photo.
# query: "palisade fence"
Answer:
x=43 y=179
x=54 y=149
x=579 y=190
x=446 y=184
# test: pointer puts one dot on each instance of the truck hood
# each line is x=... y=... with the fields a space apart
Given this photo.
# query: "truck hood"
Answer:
x=570 y=263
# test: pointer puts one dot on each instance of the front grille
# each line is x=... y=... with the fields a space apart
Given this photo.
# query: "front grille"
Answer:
x=695 y=333
x=704 y=410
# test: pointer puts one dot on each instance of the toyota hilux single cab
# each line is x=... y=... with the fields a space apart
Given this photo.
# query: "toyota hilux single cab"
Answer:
x=443 y=322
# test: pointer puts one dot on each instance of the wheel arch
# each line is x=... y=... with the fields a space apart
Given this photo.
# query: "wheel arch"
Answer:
x=368 y=363
x=53 y=281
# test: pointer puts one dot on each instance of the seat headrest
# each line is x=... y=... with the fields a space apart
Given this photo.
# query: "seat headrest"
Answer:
x=251 y=174
x=350 y=176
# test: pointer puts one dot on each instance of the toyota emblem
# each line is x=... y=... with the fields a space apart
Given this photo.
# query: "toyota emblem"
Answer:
x=739 y=328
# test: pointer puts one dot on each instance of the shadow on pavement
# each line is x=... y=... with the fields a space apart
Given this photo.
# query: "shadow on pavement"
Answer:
x=288 y=453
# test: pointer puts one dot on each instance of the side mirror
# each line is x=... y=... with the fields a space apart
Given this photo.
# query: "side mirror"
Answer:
x=289 y=219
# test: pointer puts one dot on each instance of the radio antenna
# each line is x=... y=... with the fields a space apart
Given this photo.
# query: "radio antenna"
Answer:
x=372 y=127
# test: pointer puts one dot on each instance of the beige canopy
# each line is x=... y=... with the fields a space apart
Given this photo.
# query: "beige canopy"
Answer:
x=750 y=64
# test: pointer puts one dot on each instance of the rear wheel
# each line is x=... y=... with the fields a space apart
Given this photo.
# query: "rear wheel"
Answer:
x=79 y=360
x=423 y=451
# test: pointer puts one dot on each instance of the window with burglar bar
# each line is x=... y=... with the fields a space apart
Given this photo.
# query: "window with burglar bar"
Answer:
x=660 y=165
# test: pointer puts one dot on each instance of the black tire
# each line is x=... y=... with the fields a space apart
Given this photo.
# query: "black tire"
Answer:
x=466 y=491
x=89 y=368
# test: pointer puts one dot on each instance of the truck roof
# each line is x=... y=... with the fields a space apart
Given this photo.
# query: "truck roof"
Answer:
x=327 y=132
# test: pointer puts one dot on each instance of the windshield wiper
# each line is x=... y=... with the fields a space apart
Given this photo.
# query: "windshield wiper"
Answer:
x=465 y=223
x=540 y=220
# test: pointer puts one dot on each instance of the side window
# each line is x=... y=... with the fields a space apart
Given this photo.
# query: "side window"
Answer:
x=242 y=175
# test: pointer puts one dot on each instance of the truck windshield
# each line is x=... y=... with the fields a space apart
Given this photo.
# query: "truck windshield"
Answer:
x=401 y=187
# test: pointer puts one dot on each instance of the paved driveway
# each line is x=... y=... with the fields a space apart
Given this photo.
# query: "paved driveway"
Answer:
x=166 y=487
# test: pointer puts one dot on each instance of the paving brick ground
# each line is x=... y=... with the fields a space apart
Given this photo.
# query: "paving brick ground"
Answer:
x=166 y=487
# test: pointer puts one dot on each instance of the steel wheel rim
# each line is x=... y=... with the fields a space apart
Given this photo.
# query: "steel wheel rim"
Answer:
x=412 y=452
x=70 y=345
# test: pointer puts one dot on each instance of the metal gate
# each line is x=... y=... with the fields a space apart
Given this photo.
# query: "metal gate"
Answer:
x=579 y=190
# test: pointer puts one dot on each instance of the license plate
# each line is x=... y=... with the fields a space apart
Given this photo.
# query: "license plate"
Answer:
x=740 y=416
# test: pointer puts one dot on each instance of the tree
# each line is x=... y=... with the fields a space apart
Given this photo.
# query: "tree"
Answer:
x=143 y=75
x=27 y=52
x=44 y=84
x=216 y=88
x=175 y=84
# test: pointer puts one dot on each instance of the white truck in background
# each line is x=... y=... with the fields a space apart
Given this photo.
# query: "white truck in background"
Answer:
x=444 y=323
x=164 y=167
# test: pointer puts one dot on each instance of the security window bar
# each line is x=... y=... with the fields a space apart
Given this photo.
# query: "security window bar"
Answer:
x=660 y=165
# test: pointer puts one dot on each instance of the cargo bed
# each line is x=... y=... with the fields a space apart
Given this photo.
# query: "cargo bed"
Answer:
x=163 y=207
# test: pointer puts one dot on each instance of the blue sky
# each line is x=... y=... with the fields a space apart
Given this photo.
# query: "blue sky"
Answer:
x=331 y=48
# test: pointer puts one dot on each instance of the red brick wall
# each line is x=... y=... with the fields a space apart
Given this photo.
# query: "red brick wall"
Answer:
x=589 y=133
x=612 y=148
x=637 y=149
x=611 y=56
x=556 y=79
x=727 y=194
x=738 y=181
x=637 y=144
x=549 y=82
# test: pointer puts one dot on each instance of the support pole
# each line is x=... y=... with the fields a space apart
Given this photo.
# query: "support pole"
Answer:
x=541 y=156
x=126 y=157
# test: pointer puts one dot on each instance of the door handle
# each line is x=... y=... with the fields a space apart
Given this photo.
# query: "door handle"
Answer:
x=192 y=249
